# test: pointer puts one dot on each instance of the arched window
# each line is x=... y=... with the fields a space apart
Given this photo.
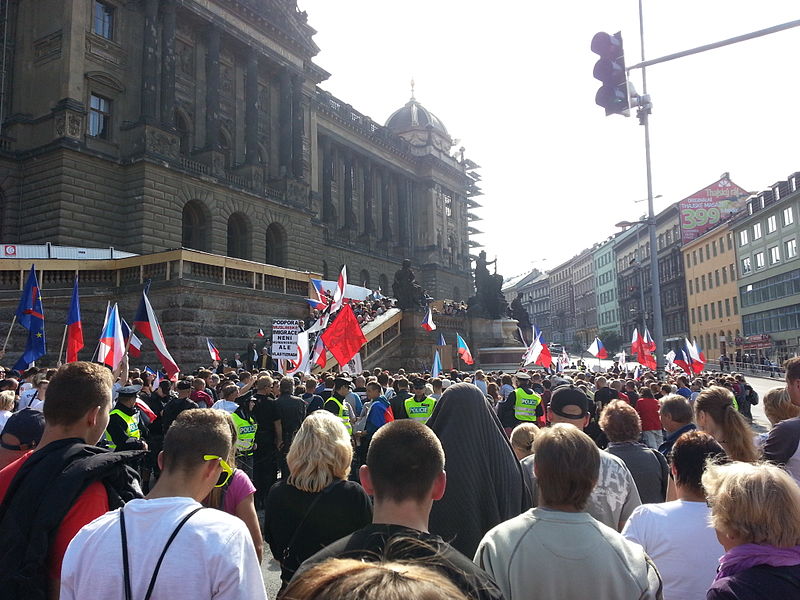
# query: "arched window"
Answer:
x=184 y=129
x=276 y=245
x=239 y=236
x=363 y=278
x=383 y=282
x=195 y=221
x=226 y=148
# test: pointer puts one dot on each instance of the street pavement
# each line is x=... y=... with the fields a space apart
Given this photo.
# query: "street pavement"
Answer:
x=272 y=571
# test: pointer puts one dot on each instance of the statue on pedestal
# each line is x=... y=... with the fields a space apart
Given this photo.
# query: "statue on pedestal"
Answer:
x=406 y=289
x=488 y=301
x=519 y=313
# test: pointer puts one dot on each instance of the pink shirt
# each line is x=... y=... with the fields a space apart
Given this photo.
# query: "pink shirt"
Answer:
x=239 y=488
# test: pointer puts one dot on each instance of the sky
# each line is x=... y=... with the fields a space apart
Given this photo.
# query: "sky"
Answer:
x=512 y=81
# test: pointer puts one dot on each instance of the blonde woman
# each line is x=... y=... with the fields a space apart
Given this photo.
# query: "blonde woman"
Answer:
x=716 y=414
x=755 y=509
x=777 y=407
x=782 y=443
x=522 y=438
x=316 y=505
x=7 y=400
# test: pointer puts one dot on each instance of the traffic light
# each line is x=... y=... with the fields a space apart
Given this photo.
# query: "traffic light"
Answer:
x=610 y=70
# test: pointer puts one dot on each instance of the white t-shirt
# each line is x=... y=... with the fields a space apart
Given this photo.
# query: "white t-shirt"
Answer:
x=682 y=543
x=211 y=557
x=226 y=405
x=25 y=397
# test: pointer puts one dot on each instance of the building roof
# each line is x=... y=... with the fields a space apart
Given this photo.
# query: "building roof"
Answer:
x=415 y=117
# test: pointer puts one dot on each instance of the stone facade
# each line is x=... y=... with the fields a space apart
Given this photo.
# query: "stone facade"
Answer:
x=606 y=291
x=162 y=124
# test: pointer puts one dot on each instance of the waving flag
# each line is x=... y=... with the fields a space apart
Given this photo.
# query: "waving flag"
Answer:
x=648 y=342
x=112 y=344
x=147 y=323
x=135 y=346
x=621 y=357
x=437 y=365
x=696 y=358
x=212 y=350
x=319 y=356
x=597 y=349
x=682 y=360
x=260 y=333
x=670 y=356
x=30 y=314
x=343 y=338
x=636 y=342
x=463 y=350
x=301 y=364
x=427 y=322
x=338 y=294
x=441 y=340
x=74 y=326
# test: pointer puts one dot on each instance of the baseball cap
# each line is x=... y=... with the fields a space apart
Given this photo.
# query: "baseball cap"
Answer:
x=418 y=383
x=183 y=385
x=27 y=426
x=567 y=395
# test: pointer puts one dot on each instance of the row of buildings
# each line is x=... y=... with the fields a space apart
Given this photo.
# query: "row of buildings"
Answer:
x=728 y=269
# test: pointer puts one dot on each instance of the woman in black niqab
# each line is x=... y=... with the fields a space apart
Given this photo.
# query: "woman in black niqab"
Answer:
x=485 y=485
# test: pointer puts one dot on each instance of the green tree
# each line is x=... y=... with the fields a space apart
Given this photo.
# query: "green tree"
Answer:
x=612 y=341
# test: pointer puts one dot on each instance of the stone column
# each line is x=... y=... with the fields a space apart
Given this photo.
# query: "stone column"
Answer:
x=298 y=127
x=327 y=176
x=386 y=193
x=251 y=116
x=349 y=221
x=285 y=121
x=149 y=61
x=212 y=88
x=369 y=221
x=402 y=210
x=168 y=64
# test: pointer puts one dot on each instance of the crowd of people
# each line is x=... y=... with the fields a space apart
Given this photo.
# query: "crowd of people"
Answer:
x=381 y=484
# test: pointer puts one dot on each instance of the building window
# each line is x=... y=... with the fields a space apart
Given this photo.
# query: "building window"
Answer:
x=760 y=261
x=757 y=231
x=703 y=282
x=716 y=277
x=747 y=266
x=791 y=248
x=705 y=311
x=719 y=308
x=710 y=282
x=713 y=311
x=714 y=247
x=693 y=319
x=701 y=255
x=735 y=305
x=103 y=23
x=691 y=287
x=788 y=216
x=772 y=224
x=733 y=273
x=99 y=117
x=774 y=255
x=724 y=275
x=743 y=237
x=721 y=245
x=727 y=307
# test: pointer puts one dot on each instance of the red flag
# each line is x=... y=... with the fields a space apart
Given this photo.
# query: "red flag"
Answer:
x=343 y=338
x=545 y=359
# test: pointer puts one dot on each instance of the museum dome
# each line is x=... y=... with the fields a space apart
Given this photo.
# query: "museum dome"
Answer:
x=413 y=116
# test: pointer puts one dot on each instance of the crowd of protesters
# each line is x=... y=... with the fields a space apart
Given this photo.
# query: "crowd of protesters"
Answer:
x=397 y=484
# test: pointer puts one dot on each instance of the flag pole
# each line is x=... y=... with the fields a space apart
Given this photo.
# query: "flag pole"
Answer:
x=63 y=338
x=10 y=329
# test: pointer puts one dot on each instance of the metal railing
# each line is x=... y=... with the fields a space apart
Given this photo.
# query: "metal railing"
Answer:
x=748 y=368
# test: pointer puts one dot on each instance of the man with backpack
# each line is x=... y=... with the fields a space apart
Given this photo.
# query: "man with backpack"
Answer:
x=50 y=493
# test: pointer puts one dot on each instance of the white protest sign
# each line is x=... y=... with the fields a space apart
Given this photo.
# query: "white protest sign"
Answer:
x=284 y=338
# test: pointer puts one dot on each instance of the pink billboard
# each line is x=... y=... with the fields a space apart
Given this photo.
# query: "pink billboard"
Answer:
x=705 y=209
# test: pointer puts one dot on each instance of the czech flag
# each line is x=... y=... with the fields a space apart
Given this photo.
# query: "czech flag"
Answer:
x=441 y=340
x=437 y=365
x=427 y=322
x=597 y=349
x=319 y=356
x=260 y=333
x=135 y=347
x=338 y=293
x=147 y=323
x=683 y=361
x=636 y=342
x=112 y=344
x=212 y=350
x=74 y=326
x=648 y=341
x=463 y=350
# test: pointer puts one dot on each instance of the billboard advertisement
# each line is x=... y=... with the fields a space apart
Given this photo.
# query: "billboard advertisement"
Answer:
x=705 y=209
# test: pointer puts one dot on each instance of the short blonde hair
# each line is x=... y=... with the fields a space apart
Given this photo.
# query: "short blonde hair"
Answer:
x=759 y=503
x=523 y=437
x=567 y=466
x=320 y=454
x=7 y=399
x=778 y=405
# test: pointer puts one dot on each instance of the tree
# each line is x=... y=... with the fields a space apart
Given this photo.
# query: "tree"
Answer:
x=612 y=341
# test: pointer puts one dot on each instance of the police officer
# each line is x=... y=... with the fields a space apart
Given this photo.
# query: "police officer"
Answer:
x=126 y=429
x=246 y=428
x=419 y=406
x=337 y=403
x=523 y=405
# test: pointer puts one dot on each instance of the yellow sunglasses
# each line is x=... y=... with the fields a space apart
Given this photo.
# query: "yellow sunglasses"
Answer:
x=226 y=469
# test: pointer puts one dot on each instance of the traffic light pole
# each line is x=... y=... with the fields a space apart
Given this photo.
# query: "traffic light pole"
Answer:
x=655 y=282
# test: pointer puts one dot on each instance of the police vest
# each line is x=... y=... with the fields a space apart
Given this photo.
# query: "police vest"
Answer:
x=245 y=433
x=419 y=411
x=132 y=427
x=344 y=413
x=525 y=405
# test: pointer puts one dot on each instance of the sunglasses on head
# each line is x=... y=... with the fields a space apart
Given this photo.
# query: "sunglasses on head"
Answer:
x=226 y=469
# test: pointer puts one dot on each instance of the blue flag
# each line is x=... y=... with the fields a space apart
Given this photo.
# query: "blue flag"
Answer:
x=441 y=340
x=30 y=315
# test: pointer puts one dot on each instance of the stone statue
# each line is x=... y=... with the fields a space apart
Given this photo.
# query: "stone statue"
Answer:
x=519 y=313
x=406 y=289
x=488 y=301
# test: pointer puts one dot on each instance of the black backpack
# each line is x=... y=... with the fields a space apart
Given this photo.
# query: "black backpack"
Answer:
x=40 y=496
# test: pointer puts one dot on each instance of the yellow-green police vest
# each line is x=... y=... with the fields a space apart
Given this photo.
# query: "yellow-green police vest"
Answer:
x=419 y=411
x=344 y=413
x=132 y=429
x=525 y=405
x=245 y=433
